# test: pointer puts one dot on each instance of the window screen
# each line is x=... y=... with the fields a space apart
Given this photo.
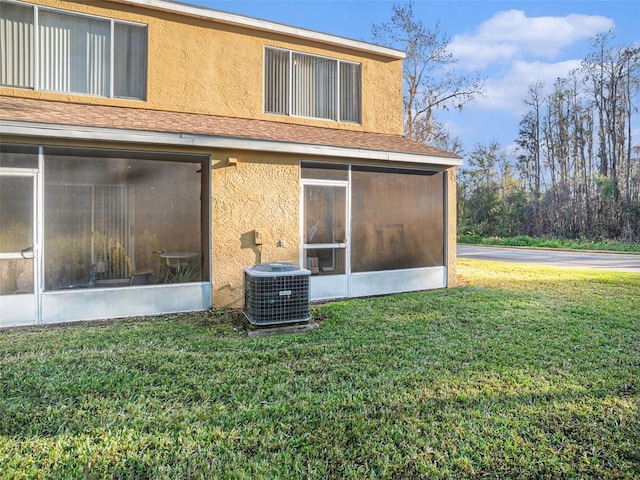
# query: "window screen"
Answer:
x=397 y=219
x=102 y=206
x=16 y=45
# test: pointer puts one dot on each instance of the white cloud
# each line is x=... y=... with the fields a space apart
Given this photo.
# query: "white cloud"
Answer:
x=507 y=93
x=510 y=35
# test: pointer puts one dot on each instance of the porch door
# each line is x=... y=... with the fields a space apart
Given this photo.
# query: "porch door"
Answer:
x=326 y=237
x=18 y=251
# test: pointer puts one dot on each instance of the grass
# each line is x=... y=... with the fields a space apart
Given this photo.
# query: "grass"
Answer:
x=528 y=372
x=526 y=241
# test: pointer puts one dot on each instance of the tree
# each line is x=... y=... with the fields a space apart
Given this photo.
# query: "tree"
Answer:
x=578 y=164
x=492 y=202
x=529 y=138
x=612 y=73
x=443 y=139
x=612 y=70
x=430 y=82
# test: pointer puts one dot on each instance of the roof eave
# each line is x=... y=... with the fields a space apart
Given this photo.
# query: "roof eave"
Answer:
x=263 y=25
x=74 y=132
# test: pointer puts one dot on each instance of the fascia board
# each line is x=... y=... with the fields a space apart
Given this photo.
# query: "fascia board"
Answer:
x=73 y=132
x=263 y=25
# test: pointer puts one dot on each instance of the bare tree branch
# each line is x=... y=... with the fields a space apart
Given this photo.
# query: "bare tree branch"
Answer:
x=430 y=81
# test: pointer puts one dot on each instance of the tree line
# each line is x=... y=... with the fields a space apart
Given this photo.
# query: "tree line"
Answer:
x=575 y=171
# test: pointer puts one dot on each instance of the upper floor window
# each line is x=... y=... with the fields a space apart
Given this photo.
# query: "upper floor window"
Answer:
x=311 y=86
x=46 y=49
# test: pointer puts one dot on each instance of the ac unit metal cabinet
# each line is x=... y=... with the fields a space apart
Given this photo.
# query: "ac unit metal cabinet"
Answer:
x=276 y=293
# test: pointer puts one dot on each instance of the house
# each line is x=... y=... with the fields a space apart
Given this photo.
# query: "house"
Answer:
x=150 y=150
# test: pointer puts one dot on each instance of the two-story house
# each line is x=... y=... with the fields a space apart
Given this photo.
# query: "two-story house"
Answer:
x=150 y=150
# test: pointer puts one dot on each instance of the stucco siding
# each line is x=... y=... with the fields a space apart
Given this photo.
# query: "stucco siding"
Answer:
x=451 y=227
x=258 y=193
x=199 y=66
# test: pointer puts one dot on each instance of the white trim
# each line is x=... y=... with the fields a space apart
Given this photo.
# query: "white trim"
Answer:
x=263 y=25
x=321 y=181
x=74 y=132
x=38 y=250
x=39 y=241
x=101 y=303
x=18 y=172
x=112 y=59
x=328 y=287
x=445 y=225
x=20 y=308
x=364 y=284
x=320 y=246
x=23 y=309
x=36 y=48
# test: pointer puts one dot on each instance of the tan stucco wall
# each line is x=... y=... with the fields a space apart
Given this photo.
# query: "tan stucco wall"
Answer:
x=262 y=192
x=452 y=279
x=198 y=66
x=252 y=195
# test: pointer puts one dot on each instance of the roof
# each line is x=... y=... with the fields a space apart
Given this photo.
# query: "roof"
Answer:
x=262 y=25
x=25 y=116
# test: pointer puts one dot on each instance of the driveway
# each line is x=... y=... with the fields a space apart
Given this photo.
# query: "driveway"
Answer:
x=561 y=258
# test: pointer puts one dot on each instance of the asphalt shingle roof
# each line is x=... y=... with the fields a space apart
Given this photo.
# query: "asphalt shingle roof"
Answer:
x=62 y=113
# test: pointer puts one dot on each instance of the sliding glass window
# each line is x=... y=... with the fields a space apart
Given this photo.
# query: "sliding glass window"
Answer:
x=73 y=53
x=311 y=86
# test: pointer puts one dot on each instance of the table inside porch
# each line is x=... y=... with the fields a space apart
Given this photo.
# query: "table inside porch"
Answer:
x=175 y=259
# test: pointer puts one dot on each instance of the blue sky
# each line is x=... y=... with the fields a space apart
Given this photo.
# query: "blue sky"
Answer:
x=511 y=43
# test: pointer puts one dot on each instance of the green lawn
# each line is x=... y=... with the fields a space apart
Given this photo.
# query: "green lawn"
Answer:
x=524 y=372
x=526 y=241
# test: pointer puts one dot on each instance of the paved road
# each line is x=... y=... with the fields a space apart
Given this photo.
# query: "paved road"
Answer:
x=603 y=261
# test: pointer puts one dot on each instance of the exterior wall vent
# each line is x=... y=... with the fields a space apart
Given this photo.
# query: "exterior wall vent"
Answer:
x=276 y=293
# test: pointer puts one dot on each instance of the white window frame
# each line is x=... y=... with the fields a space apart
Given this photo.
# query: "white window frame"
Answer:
x=290 y=100
x=36 y=48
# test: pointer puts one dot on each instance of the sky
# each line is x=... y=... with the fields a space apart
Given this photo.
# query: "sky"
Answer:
x=511 y=44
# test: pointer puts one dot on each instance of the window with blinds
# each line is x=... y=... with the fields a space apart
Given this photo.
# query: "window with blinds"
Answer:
x=46 y=49
x=305 y=85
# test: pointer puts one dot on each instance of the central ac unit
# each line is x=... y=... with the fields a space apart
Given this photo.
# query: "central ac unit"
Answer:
x=276 y=293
